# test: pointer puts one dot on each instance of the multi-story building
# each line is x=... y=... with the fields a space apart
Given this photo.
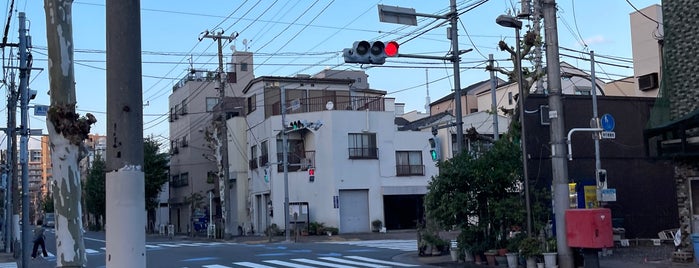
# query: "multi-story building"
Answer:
x=364 y=168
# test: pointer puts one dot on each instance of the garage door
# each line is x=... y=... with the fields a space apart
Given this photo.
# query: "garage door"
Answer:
x=354 y=211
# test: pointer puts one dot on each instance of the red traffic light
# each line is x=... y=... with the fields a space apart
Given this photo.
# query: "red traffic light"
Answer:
x=311 y=172
x=391 y=49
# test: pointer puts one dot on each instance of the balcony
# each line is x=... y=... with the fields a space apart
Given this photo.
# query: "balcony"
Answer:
x=348 y=103
x=297 y=161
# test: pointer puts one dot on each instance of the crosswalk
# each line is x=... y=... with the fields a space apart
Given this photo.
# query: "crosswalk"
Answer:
x=402 y=245
x=332 y=262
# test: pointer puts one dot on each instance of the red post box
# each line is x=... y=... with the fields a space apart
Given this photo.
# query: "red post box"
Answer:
x=589 y=228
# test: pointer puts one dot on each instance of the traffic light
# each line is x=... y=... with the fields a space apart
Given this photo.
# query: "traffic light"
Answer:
x=298 y=124
x=434 y=148
x=311 y=174
x=391 y=49
x=602 y=175
x=366 y=53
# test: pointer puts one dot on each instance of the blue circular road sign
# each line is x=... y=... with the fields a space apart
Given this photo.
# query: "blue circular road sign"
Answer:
x=607 y=122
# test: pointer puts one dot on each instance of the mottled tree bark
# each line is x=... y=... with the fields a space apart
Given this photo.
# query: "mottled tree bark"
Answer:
x=66 y=134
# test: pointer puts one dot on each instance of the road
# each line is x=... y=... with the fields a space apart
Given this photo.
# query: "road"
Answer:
x=178 y=253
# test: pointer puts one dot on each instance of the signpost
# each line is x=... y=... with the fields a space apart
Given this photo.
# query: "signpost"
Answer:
x=607 y=124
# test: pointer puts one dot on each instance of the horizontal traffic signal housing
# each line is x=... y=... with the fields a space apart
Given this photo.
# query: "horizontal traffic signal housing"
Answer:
x=366 y=52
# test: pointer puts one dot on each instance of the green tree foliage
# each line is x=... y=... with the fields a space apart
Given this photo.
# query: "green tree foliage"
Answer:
x=47 y=203
x=95 y=202
x=479 y=194
x=155 y=167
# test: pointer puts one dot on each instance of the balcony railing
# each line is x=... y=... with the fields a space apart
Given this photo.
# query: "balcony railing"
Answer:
x=297 y=161
x=355 y=103
x=410 y=170
x=263 y=159
x=252 y=163
x=363 y=153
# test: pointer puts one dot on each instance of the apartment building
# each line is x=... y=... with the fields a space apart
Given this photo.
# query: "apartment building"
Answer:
x=364 y=168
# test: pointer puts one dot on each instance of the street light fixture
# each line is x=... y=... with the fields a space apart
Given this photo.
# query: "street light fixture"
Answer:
x=512 y=22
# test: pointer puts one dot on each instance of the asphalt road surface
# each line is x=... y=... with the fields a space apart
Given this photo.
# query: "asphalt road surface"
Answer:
x=222 y=254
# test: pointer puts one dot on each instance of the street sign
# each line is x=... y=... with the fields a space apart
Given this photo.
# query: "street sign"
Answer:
x=608 y=135
x=607 y=122
x=397 y=15
x=608 y=195
x=41 y=110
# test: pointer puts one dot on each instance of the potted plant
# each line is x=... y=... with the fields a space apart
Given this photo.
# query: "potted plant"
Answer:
x=530 y=249
x=512 y=249
x=490 y=256
x=550 y=254
x=376 y=225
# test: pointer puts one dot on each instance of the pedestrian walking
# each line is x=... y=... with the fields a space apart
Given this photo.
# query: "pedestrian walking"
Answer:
x=39 y=239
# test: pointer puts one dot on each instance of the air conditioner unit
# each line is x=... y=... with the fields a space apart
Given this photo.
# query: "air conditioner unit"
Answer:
x=648 y=82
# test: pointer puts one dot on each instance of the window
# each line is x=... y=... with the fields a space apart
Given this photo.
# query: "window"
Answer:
x=510 y=98
x=409 y=163
x=264 y=154
x=177 y=110
x=253 y=157
x=362 y=146
x=243 y=66
x=252 y=103
x=172 y=115
x=180 y=180
x=184 y=142
x=210 y=103
x=183 y=110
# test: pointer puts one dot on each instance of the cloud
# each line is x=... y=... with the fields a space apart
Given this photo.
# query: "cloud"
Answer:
x=597 y=39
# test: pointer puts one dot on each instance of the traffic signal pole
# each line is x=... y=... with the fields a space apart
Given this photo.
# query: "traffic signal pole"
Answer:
x=399 y=15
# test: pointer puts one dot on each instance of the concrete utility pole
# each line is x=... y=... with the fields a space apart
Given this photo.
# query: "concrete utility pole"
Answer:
x=285 y=165
x=223 y=132
x=559 y=164
x=24 y=137
x=125 y=187
x=494 y=104
x=537 y=47
x=11 y=164
x=454 y=36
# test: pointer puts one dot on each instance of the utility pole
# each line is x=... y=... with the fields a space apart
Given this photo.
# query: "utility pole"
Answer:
x=223 y=131
x=559 y=165
x=125 y=187
x=11 y=186
x=24 y=137
x=454 y=36
x=537 y=47
x=494 y=104
x=285 y=165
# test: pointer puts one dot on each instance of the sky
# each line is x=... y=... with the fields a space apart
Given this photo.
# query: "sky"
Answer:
x=292 y=37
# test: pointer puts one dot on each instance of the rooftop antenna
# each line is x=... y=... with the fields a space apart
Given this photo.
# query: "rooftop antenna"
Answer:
x=191 y=63
x=245 y=44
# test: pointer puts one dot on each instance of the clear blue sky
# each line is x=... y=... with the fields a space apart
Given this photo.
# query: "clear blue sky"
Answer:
x=305 y=36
